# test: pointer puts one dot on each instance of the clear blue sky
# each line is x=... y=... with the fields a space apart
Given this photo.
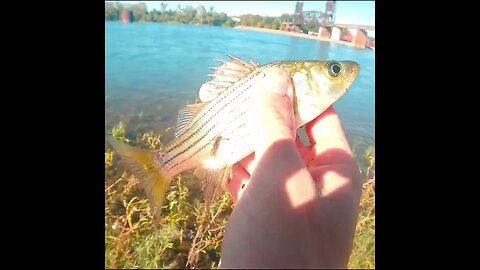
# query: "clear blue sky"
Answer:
x=348 y=12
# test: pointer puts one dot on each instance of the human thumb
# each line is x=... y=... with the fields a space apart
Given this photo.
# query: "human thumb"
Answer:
x=274 y=113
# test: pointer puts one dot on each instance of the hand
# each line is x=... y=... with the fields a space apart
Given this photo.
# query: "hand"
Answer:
x=295 y=205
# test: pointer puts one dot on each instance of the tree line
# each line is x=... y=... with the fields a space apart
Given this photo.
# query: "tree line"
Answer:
x=191 y=15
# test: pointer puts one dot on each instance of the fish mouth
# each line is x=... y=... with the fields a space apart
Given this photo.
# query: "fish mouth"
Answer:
x=354 y=71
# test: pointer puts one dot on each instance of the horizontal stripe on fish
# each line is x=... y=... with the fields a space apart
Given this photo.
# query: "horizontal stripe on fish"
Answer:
x=219 y=114
x=219 y=124
x=204 y=124
x=204 y=147
x=210 y=111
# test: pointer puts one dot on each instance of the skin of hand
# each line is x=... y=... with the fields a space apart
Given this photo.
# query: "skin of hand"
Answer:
x=296 y=206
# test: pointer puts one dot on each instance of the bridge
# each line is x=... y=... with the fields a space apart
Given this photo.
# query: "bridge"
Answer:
x=351 y=26
x=357 y=34
x=324 y=21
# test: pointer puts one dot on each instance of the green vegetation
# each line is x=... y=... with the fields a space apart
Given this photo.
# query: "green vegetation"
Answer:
x=363 y=254
x=191 y=15
x=190 y=236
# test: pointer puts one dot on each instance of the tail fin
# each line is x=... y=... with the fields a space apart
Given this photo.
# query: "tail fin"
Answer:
x=141 y=164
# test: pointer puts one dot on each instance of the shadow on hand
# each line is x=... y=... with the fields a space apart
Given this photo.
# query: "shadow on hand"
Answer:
x=316 y=233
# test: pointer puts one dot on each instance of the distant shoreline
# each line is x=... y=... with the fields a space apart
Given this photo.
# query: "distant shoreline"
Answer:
x=294 y=34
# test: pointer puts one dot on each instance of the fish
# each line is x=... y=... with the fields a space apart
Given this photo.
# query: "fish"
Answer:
x=216 y=131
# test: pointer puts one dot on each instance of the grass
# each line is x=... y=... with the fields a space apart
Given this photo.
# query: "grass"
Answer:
x=189 y=235
x=363 y=254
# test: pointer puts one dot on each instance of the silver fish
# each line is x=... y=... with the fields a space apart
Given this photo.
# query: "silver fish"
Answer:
x=216 y=132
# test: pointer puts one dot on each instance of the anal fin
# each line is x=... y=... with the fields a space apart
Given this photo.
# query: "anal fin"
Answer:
x=214 y=181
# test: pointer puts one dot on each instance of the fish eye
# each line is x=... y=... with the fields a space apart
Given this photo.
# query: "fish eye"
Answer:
x=334 y=69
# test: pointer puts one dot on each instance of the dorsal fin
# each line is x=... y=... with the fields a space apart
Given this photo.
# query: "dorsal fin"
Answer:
x=255 y=63
x=210 y=90
x=224 y=76
x=250 y=65
x=186 y=115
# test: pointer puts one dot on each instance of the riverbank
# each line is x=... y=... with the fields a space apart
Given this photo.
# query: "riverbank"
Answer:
x=132 y=240
x=294 y=34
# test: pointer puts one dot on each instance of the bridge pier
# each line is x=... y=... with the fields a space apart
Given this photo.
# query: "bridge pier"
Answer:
x=324 y=32
x=357 y=35
x=370 y=33
x=335 y=33
x=359 y=38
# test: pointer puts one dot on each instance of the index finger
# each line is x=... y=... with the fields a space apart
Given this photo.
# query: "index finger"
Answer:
x=326 y=133
x=248 y=163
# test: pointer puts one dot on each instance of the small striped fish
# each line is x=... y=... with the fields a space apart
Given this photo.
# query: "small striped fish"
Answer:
x=216 y=132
